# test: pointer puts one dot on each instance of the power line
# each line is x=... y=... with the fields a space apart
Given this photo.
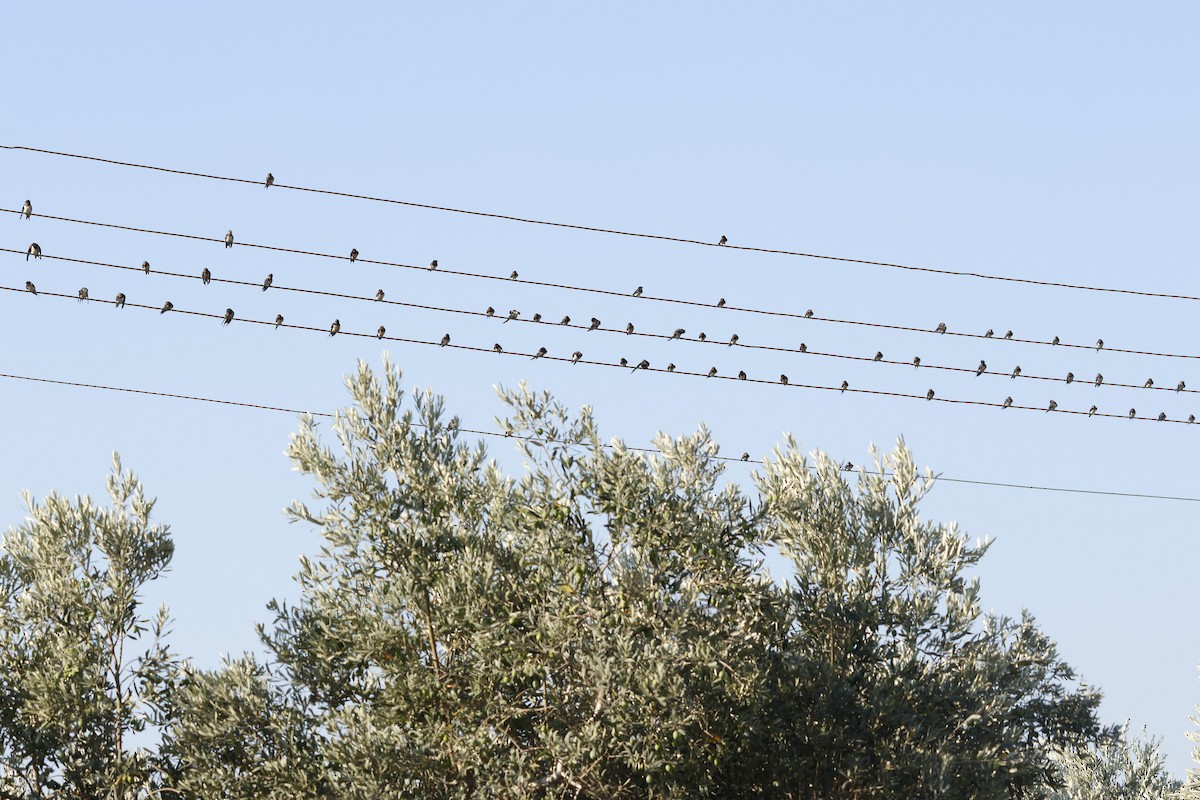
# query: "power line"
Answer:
x=575 y=326
x=808 y=315
x=263 y=407
x=643 y=365
x=616 y=232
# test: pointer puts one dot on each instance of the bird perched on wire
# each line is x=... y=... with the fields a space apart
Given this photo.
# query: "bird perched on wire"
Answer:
x=878 y=355
x=724 y=241
x=537 y=317
x=981 y=368
x=711 y=372
x=1162 y=416
x=916 y=361
x=1092 y=411
x=26 y=210
x=228 y=316
x=671 y=367
x=29 y=287
x=206 y=276
x=1007 y=403
x=845 y=385
x=643 y=364
x=379 y=333
x=628 y=329
x=541 y=352
x=733 y=340
x=1056 y=340
x=268 y=281
x=941 y=328
x=378 y=295
x=83 y=294
x=576 y=356
x=702 y=336
x=34 y=250
x=741 y=374
x=595 y=324
x=445 y=340
x=353 y=254
x=167 y=306
x=433 y=264
x=1099 y=344
x=498 y=348
x=512 y=314
x=1008 y=335
x=270 y=180
x=1099 y=379
x=1180 y=386
x=1053 y=405
x=624 y=362
x=565 y=321
x=990 y=333
x=1149 y=384
x=513 y=276
x=848 y=466
x=637 y=292
x=278 y=321
x=1016 y=371
x=783 y=379
x=678 y=333
x=1070 y=377
x=491 y=312
x=808 y=314
x=146 y=267
x=120 y=301
x=228 y=238
x=335 y=327
x=721 y=303
x=1191 y=418
x=1132 y=413
x=929 y=395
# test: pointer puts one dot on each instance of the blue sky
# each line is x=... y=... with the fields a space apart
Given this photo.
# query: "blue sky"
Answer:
x=1046 y=142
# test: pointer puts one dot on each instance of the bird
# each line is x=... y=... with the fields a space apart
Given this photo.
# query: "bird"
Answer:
x=929 y=395
x=228 y=316
x=29 y=287
x=733 y=340
x=783 y=380
x=1053 y=405
x=845 y=385
x=228 y=239
x=26 y=210
x=491 y=312
x=981 y=368
x=541 y=352
x=1091 y=411
x=848 y=466
x=445 y=340
x=335 y=327
x=1191 y=418
x=353 y=254
x=637 y=292
x=702 y=336
x=269 y=280
x=512 y=314
x=741 y=374
x=206 y=276
x=537 y=317
x=916 y=361
x=678 y=333
x=643 y=365
x=941 y=328
x=1149 y=384
x=879 y=355
x=167 y=306
x=671 y=367
x=565 y=321
x=595 y=324
x=724 y=241
x=1016 y=371
x=624 y=362
x=1070 y=377
x=1008 y=335
x=146 y=267
x=120 y=301
x=1007 y=402
x=576 y=356
x=745 y=456
x=270 y=180
x=34 y=250
x=990 y=333
x=1056 y=340
x=1099 y=344
x=803 y=348
x=433 y=264
x=1099 y=379
x=379 y=333
x=513 y=276
x=629 y=329
x=278 y=320
x=808 y=314
x=1180 y=386
x=1132 y=413
x=83 y=293
x=1162 y=416
x=721 y=303
x=378 y=295
x=498 y=348
x=711 y=372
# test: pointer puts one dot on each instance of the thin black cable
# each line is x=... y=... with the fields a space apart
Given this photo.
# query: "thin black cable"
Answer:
x=647 y=368
x=574 y=326
x=616 y=232
x=263 y=407
x=608 y=292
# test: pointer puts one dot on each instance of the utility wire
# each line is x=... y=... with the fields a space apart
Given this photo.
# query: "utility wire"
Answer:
x=535 y=440
x=808 y=315
x=613 y=231
x=643 y=365
x=503 y=318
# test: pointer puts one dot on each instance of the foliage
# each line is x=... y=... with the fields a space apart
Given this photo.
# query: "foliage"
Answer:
x=1116 y=768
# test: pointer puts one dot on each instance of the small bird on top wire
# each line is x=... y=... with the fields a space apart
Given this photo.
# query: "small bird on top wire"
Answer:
x=808 y=314
x=1181 y=386
x=228 y=316
x=624 y=362
x=1070 y=377
x=335 y=327
x=537 y=317
x=1008 y=335
x=724 y=240
x=1191 y=418
x=514 y=276
x=711 y=372
x=353 y=254
x=721 y=303
x=268 y=281
x=671 y=367
x=878 y=355
x=379 y=295
x=1099 y=344
x=270 y=180
x=1162 y=416
x=1056 y=340
x=146 y=267
x=433 y=264
x=565 y=321
x=228 y=238
x=498 y=348
x=1149 y=383
x=745 y=456
x=741 y=374
x=990 y=333
x=783 y=379
x=637 y=292
x=491 y=312
x=941 y=328
x=26 y=210
x=34 y=250
x=916 y=361
x=629 y=329
x=703 y=336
